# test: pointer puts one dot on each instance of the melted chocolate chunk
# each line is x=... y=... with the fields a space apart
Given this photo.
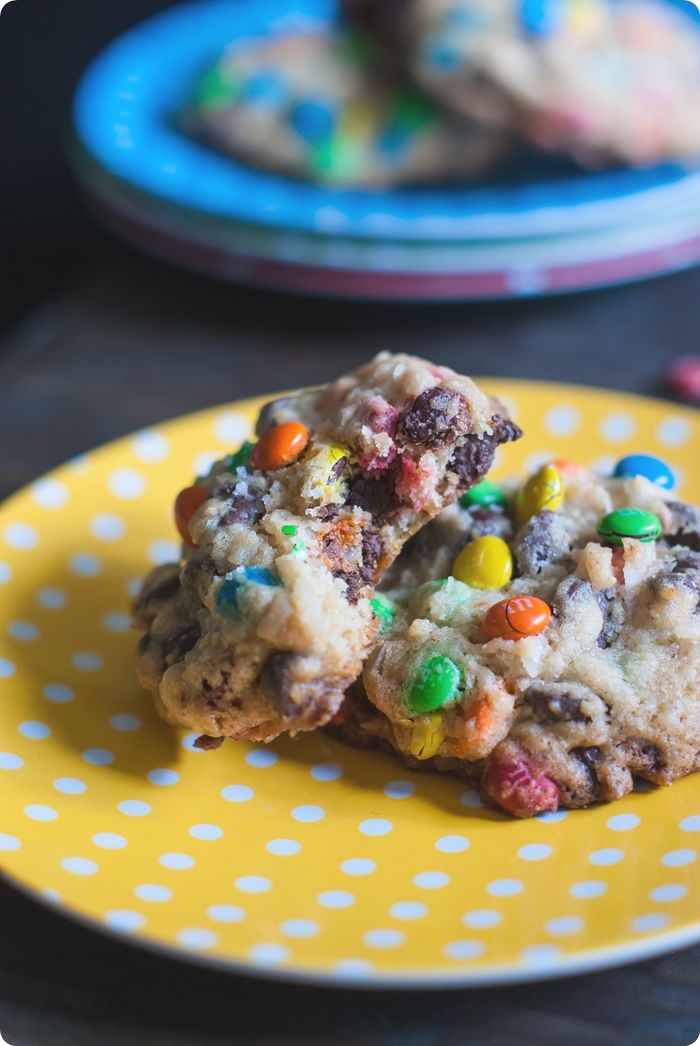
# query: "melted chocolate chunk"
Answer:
x=208 y=744
x=642 y=756
x=181 y=643
x=541 y=541
x=609 y=630
x=684 y=528
x=327 y=512
x=555 y=707
x=486 y=520
x=163 y=590
x=243 y=508
x=589 y=757
x=474 y=457
x=376 y=495
x=437 y=416
x=338 y=468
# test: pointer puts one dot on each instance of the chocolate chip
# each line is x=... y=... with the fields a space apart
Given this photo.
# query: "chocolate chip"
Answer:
x=338 y=468
x=208 y=744
x=437 y=416
x=589 y=757
x=541 y=541
x=285 y=684
x=642 y=756
x=243 y=508
x=181 y=642
x=472 y=459
x=376 y=494
x=684 y=528
x=327 y=512
x=548 y=706
x=486 y=520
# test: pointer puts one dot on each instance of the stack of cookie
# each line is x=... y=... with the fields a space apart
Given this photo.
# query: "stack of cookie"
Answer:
x=354 y=569
x=443 y=90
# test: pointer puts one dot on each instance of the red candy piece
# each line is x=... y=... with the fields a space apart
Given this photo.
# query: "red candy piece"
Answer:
x=515 y=784
x=517 y=617
x=683 y=377
x=186 y=504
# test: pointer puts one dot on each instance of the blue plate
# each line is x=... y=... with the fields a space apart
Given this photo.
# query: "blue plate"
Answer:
x=125 y=116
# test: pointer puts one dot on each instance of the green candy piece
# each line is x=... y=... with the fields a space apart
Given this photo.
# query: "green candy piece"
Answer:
x=384 y=609
x=436 y=682
x=339 y=158
x=484 y=494
x=241 y=459
x=630 y=523
x=413 y=112
x=216 y=89
x=290 y=529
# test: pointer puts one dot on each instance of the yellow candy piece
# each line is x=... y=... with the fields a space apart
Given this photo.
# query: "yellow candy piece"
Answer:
x=544 y=490
x=586 y=18
x=485 y=562
x=427 y=735
x=322 y=484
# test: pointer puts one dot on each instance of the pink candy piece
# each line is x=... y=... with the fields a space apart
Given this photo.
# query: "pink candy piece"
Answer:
x=683 y=377
x=516 y=785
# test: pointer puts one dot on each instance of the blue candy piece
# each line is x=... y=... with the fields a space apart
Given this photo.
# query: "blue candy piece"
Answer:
x=653 y=469
x=266 y=88
x=541 y=17
x=440 y=55
x=227 y=596
x=314 y=121
x=261 y=576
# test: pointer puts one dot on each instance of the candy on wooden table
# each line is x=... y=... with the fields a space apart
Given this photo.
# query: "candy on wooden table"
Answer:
x=427 y=734
x=436 y=682
x=517 y=618
x=629 y=523
x=646 y=465
x=485 y=562
x=280 y=446
x=544 y=490
x=186 y=504
x=483 y=494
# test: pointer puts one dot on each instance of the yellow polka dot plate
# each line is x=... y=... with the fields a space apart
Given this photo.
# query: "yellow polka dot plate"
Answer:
x=304 y=859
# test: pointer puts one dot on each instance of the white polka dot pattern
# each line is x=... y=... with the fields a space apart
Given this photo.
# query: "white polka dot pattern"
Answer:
x=301 y=855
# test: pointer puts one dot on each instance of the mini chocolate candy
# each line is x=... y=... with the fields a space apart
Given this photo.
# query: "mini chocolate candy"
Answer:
x=483 y=494
x=229 y=590
x=544 y=490
x=384 y=609
x=485 y=562
x=634 y=523
x=427 y=734
x=186 y=504
x=279 y=446
x=436 y=682
x=517 y=617
x=653 y=469
x=241 y=458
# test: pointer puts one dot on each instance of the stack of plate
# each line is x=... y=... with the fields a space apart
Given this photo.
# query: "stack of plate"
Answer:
x=542 y=227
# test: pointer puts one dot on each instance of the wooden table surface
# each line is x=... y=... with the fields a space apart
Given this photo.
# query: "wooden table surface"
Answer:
x=134 y=343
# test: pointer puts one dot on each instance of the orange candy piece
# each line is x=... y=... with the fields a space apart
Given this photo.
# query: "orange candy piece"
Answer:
x=280 y=446
x=566 y=467
x=517 y=617
x=186 y=504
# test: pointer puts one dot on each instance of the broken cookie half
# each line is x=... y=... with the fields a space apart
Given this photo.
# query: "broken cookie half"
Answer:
x=269 y=617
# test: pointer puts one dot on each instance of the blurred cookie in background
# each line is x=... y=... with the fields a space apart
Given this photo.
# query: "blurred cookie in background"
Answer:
x=602 y=82
x=323 y=106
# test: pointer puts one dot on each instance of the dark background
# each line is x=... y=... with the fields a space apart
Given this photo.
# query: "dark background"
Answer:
x=45 y=235
x=96 y=341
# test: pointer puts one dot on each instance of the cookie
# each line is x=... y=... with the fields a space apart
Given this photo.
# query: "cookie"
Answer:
x=269 y=618
x=316 y=106
x=556 y=657
x=600 y=81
